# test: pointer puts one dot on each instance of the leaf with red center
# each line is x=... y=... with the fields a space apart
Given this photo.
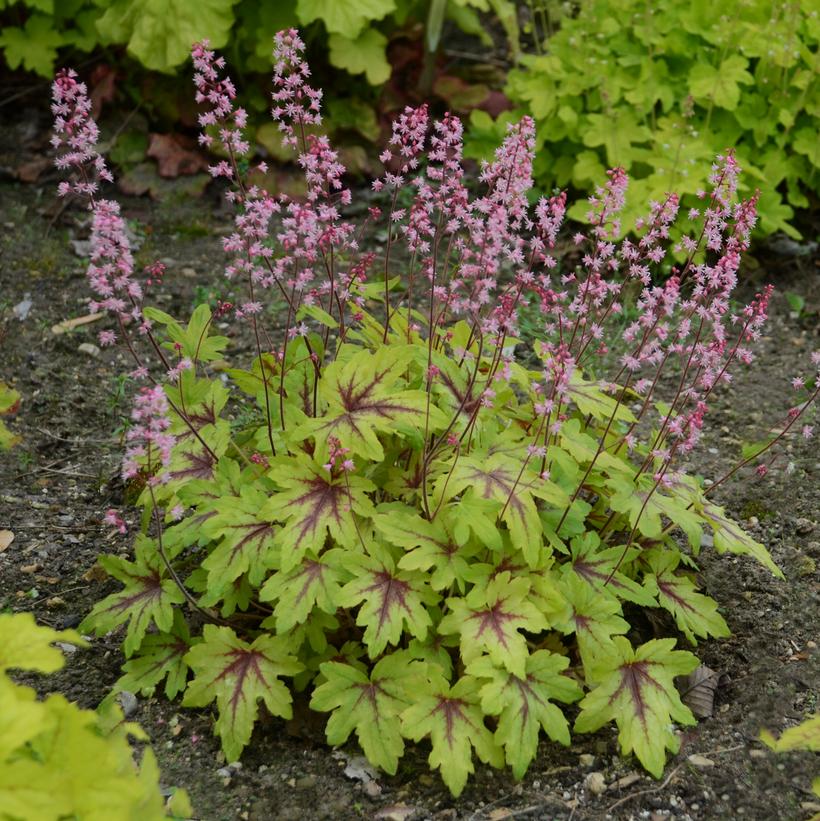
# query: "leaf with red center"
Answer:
x=191 y=460
x=312 y=583
x=524 y=705
x=453 y=719
x=246 y=539
x=695 y=614
x=595 y=566
x=370 y=705
x=637 y=690
x=431 y=544
x=148 y=596
x=363 y=397
x=312 y=504
x=489 y=618
x=237 y=675
x=202 y=400
x=594 y=619
x=729 y=535
x=161 y=656
x=392 y=600
x=504 y=479
x=195 y=343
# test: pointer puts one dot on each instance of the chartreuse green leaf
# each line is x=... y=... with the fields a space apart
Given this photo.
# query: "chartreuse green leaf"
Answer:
x=504 y=479
x=805 y=736
x=730 y=536
x=237 y=674
x=695 y=614
x=597 y=567
x=159 y=33
x=313 y=504
x=363 y=55
x=25 y=645
x=149 y=596
x=453 y=719
x=637 y=690
x=312 y=583
x=160 y=656
x=594 y=618
x=347 y=19
x=392 y=600
x=489 y=618
x=364 y=397
x=370 y=705
x=58 y=761
x=721 y=84
x=245 y=534
x=9 y=402
x=524 y=705
x=33 y=46
x=431 y=545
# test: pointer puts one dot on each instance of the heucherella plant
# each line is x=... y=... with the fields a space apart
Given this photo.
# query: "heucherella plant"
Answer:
x=429 y=527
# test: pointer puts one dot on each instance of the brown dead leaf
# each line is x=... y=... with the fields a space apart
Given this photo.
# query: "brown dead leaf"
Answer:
x=30 y=170
x=95 y=573
x=698 y=691
x=175 y=155
x=76 y=322
x=30 y=568
x=103 y=86
x=6 y=538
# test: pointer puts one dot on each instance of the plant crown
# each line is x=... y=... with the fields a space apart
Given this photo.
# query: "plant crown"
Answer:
x=388 y=508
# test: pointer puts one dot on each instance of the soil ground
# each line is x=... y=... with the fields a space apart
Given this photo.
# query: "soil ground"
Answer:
x=56 y=485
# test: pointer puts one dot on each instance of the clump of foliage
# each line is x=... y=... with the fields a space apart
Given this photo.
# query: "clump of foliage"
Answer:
x=354 y=34
x=387 y=509
x=58 y=761
x=660 y=88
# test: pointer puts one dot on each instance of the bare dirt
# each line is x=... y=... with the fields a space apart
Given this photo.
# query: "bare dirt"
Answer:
x=56 y=485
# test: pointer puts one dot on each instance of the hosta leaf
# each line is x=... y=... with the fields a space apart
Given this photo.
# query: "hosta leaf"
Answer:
x=312 y=583
x=453 y=719
x=729 y=535
x=237 y=675
x=695 y=614
x=161 y=656
x=489 y=618
x=147 y=596
x=595 y=565
x=392 y=600
x=637 y=690
x=363 y=398
x=594 y=619
x=246 y=539
x=313 y=504
x=370 y=705
x=524 y=705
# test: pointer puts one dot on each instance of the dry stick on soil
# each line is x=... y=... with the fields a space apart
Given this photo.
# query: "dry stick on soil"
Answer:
x=648 y=791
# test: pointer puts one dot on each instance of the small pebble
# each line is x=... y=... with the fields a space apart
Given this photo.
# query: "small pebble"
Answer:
x=586 y=760
x=595 y=783
x=373 y=789
x=803 y=526
x=89 y=349
x=700 y=761
x=128 y=702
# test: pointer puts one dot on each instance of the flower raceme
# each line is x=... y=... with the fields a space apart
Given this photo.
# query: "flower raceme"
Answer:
x=422 y=500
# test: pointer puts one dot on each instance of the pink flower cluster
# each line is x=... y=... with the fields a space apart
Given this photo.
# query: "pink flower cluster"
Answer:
x=150 y=443
x=76 y=136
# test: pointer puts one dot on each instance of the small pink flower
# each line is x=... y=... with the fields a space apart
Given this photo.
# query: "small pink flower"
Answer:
x=113 y=518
